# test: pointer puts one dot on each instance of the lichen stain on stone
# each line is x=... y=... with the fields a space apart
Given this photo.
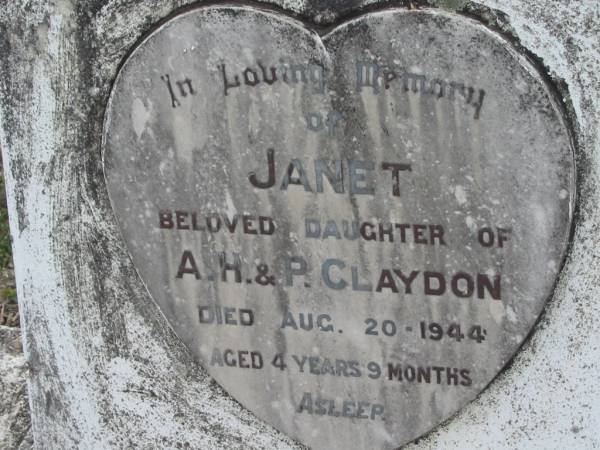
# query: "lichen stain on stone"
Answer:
x=454 y=5
x=41 y=43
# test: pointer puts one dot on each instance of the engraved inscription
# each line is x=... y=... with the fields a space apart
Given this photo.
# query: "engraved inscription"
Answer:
x=352 y=232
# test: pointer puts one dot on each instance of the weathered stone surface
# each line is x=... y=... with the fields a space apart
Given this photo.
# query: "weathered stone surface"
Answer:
x=106 y=372
x=15 y=421
x=354 y=232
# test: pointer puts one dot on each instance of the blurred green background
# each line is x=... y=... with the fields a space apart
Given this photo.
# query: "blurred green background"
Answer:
x=9 y=313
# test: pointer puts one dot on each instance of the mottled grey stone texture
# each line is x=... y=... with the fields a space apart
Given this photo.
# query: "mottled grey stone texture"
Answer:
x=106 y=369
x=15 y=421
x=477 y=143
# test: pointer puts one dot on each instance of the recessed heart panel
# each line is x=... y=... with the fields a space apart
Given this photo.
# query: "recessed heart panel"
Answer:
x=354 y=232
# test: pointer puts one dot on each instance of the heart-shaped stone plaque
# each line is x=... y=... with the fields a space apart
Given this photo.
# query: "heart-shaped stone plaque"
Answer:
x=353 y=232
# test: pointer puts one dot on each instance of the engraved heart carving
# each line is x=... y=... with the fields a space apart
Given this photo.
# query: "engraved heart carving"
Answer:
x=351 y=232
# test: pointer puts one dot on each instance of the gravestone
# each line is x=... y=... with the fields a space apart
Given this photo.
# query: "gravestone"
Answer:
x=311 y=224
x=353 y=231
